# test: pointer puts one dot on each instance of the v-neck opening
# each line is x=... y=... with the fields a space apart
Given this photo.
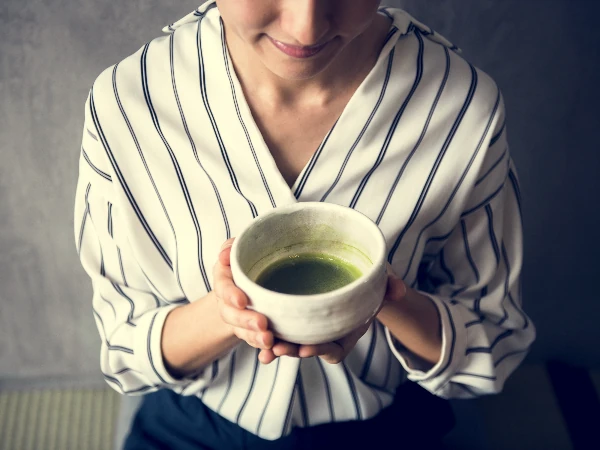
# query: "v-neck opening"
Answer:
x=296 y=189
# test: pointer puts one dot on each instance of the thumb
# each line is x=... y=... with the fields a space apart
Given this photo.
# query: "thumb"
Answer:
x=225 y=252
x=396 y=288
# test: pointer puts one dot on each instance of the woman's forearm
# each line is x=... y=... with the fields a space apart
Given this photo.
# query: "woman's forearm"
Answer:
x=194 y=336
x=414 y=321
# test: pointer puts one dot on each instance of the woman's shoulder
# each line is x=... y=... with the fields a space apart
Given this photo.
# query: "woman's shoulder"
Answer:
x=178 y=38
x=438 y=53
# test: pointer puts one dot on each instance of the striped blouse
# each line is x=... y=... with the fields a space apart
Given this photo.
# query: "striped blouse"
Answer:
x=173 y=164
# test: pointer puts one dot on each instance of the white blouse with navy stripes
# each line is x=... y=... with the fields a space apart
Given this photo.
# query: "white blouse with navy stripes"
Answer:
x=173 y=164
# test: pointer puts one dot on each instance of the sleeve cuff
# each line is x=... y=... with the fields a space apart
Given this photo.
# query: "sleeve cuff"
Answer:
x=148 y=351
x=454 y=343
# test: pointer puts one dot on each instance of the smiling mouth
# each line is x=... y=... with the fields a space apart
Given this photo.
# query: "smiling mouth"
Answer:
x=299 y=52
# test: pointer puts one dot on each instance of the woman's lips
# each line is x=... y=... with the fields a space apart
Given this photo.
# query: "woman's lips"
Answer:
x=298 y=51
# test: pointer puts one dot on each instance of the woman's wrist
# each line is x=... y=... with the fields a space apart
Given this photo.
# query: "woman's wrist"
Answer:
x=194 y=335
x=413 y=319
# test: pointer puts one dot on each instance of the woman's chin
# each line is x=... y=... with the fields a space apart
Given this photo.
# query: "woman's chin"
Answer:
x=298 y=70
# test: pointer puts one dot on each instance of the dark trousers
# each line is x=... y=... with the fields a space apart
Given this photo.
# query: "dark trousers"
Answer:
x=170 y=421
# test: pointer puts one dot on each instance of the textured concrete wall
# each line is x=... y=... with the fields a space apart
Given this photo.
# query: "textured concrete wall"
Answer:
x=50 y=53
x=542 y=54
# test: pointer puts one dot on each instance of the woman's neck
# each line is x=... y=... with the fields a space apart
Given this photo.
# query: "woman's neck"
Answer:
x=349 y=68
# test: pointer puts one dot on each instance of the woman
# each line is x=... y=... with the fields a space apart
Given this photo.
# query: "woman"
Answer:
x=250 y=105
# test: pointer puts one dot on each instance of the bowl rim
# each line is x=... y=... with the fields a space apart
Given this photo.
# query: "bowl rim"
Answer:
x=371 y=275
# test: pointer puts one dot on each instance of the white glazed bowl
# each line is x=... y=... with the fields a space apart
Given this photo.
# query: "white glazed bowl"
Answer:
x=320 y=227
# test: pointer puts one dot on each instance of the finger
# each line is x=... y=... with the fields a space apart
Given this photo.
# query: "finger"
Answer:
x=334 y=353
x=283 y=348
x=244 y=318
x=263 y=340
x=224 y=255
x=226 y=289
x=307 y=351
x=396 y=288
x=266 y=356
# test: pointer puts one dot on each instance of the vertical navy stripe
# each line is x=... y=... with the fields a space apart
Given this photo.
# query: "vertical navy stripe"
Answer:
x=245 y=402
x=355 y=399
x=507 y=291
x=215 y=370
x=121 y=266
x=420 y=140
x=110 y=221
x=302 y=398
x=122 y=294
x=391 y=33
x=515 y=185
x=262 y=415
x=445 y=268
x=192 y=143
x=110 y=232
x=477 y=305
x=312 y=163
x=365 y=127
x=327 y=389
x=463 y=227
x=388 y=369
x=436 y=166
x=213 y=122
x=229 y=381
x=237 y=110
x=493 y=240
x=455 y=190
x=369 y=358
x=177 y=168
x=84 y=219
x=391 y=131
x=452 y=344
x=124 y=185
x=288 y=415
x=148 y=342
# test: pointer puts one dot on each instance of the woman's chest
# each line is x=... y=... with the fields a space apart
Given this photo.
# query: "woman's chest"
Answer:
x=197 y=200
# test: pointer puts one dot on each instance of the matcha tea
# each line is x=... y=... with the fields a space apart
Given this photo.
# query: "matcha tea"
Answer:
x=307 y=274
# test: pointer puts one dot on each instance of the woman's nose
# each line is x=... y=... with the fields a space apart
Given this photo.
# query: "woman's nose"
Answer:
x=308 y=21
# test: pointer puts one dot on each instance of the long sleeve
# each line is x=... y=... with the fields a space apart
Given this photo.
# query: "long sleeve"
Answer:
x=474 y=281
x=128 y=314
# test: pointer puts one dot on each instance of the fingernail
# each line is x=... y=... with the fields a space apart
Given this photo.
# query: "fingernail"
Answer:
x=254 y=325
x=226 y=244
x=403 y=289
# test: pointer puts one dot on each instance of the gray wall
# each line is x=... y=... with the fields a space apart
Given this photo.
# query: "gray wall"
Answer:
x=541 y=53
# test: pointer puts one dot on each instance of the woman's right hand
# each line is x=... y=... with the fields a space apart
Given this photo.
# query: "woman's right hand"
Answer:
x=246 y=324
